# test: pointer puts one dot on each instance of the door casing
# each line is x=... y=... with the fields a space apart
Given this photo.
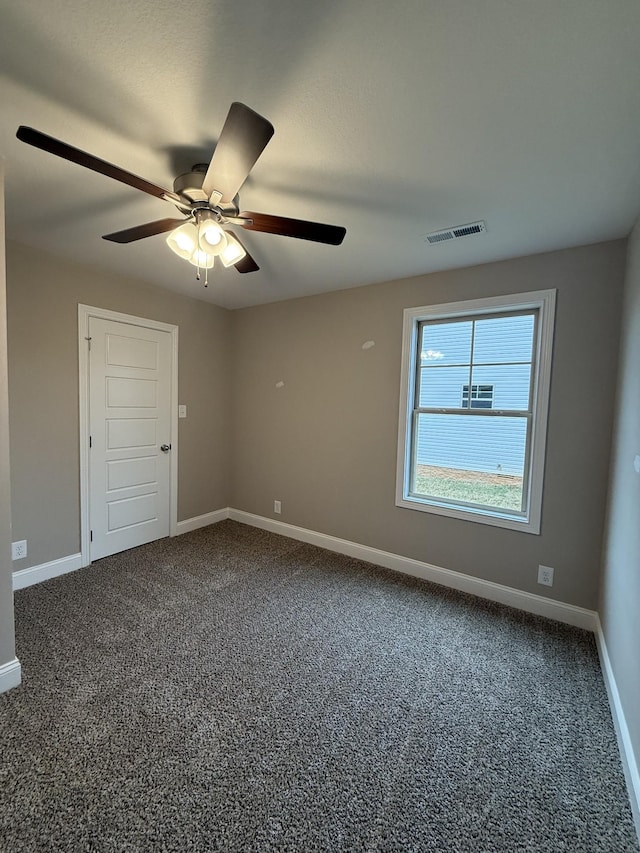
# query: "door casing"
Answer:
x=84 y=313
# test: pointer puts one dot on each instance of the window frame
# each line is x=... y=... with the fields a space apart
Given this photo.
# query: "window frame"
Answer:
x=543 y=302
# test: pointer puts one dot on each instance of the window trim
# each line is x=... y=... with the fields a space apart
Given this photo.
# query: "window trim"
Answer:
x=544 y=301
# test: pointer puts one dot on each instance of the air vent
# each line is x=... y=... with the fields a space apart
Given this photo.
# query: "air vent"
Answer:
x=455 y=232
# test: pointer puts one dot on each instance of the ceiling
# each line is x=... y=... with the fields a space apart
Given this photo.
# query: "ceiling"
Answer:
x=391 y=119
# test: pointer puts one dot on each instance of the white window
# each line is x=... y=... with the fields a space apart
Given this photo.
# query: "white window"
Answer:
x=473 y=409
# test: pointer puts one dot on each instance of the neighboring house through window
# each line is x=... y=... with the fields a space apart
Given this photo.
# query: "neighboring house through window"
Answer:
x=481 y=396
x=475 y=383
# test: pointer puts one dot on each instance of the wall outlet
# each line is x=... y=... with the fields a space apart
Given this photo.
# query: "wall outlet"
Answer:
x=277 y=507
x=545 y=575
x=182 y=411
x=19 y=550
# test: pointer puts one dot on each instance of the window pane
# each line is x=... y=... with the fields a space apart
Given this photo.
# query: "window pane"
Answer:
x=510 y=384
x=446 y=343
x=470 y=458
x=441 y=387
x=503 y=339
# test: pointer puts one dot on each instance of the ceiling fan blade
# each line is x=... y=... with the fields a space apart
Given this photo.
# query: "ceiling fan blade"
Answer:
x=246 y=264
x=75 y=155
x=243 y=139
x=129 y=235
x=300 y=228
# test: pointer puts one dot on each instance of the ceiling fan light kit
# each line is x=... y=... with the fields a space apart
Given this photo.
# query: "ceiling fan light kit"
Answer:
x=207 y=196
x=211 y=237
x=232 y=252
x=184 y=240
x=202 y=241
x=201 y=260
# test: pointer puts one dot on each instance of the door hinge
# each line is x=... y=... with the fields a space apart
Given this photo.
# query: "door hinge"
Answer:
x=91 y=536
x=88 y=341
x=90 y=442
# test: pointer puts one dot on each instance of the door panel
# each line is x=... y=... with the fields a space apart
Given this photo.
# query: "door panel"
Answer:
x=124 y=473
x=140 y=432
x=140 y=393
x=132 y=511
x=128 y=352
x=130 y=418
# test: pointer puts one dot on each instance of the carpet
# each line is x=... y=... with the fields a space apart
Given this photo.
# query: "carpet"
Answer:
x=234 y=690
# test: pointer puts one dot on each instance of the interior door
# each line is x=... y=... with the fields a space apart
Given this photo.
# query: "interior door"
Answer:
x=130 y=429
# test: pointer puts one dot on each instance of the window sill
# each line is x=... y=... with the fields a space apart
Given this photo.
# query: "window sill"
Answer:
x=479 y=516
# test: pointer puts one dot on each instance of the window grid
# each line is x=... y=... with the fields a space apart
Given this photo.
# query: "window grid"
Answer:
x=466 y=409
x=471 y=363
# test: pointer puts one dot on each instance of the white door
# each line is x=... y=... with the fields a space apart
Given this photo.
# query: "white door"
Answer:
x=130 y=429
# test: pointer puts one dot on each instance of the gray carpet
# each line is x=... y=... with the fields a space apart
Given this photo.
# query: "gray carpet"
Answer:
x=232 y=690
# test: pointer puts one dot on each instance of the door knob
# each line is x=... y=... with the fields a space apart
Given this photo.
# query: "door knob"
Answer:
x=165 y=448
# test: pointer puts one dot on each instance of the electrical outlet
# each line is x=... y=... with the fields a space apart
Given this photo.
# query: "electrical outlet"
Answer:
x=277 y=507
x=182 y=411
x=545 y=575
x=19 y=550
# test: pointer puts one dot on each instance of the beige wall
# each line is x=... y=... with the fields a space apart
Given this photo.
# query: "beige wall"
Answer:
x=620 y=593
x=325 y=443
x=7 y=646
x=43 y=296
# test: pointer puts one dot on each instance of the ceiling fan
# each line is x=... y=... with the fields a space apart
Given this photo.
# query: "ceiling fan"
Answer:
x=207 y=197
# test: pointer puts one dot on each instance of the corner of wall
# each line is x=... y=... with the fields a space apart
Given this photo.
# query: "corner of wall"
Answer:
x=619 y=600
x=9 y=665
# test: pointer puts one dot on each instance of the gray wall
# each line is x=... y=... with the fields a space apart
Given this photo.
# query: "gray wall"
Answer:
x=7 y=646
x=325 y=443
x=620 y=593
x=43 y=295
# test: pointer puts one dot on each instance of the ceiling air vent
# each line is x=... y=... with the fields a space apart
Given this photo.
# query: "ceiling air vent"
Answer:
x=457 y=231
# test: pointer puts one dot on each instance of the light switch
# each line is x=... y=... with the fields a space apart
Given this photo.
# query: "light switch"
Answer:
x=182 y=411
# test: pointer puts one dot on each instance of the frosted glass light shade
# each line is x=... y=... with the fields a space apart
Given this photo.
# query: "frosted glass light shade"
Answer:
x=183 y=240
x=232 y=252
x=201 y=259
x=211 y=237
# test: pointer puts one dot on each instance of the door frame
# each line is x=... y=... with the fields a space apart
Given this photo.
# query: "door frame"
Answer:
x=85 y=313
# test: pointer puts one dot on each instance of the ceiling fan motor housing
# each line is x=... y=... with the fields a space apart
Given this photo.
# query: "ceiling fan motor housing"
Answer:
x=189 y=186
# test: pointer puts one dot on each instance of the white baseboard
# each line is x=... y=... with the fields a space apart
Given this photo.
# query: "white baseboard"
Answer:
x=10 y=675
x=629 y=760
x=531 y=603
x=197 y=521
x=527 y=601
x=45 y=571
x=35 y=574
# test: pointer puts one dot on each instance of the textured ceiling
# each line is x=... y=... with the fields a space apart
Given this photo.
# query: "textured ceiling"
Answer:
x=392 y=119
